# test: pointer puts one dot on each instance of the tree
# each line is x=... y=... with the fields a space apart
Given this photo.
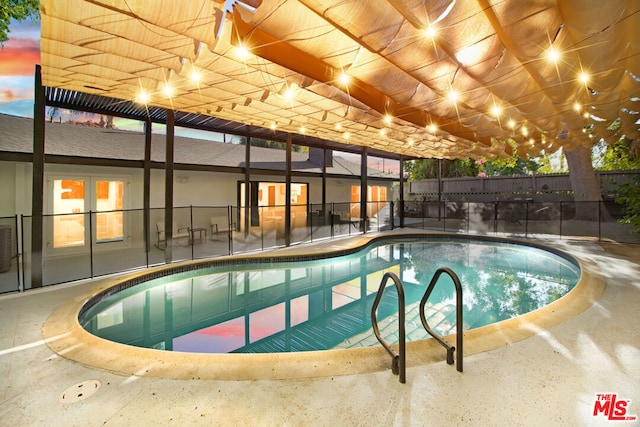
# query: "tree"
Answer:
x=18 y=10
x=630 y=198
x=616 y=156
x=428 y=168
x=515 y=165
x=584 y=183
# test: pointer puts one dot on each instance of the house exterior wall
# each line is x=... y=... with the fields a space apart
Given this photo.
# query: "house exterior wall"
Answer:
x=191 y=188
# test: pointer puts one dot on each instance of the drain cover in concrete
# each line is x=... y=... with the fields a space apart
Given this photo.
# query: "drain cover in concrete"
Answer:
x=80 y=391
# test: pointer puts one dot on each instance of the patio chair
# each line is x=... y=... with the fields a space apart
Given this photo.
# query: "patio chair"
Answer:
x=179 y=234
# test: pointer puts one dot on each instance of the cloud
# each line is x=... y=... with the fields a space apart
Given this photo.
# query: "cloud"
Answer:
x=13 y=88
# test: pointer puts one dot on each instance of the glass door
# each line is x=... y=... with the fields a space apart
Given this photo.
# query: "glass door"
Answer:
x=109 y=217
x=68 y=207
x=74 y=198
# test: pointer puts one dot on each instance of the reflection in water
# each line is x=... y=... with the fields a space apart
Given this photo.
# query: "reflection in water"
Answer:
x=325 y=304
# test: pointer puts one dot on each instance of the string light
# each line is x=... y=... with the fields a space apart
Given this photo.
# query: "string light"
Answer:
x=453 y=96
x=241 y=52
x=168 y=90
x=195 y=76
x=553 y=55
x=289 y=92
x=431 y=32
x=432 y=128
x=584 y=77
x=344 y=78
x=143 y=97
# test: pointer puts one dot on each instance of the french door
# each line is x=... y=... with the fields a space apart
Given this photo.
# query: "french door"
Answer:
x=72 y=198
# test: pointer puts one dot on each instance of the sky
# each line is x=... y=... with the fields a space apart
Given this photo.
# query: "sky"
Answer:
x=18 y=59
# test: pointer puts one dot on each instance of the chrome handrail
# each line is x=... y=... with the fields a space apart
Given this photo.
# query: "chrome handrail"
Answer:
x=459 y=325
x=398 y=365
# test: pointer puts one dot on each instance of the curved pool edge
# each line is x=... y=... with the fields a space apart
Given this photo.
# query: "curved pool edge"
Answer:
x=65 y=336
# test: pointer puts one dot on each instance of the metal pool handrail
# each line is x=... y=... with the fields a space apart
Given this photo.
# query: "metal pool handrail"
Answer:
x=398 y=365
x=459 y=325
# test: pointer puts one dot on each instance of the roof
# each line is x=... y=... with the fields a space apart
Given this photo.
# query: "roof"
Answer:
x=543 y=73
x=84 y=141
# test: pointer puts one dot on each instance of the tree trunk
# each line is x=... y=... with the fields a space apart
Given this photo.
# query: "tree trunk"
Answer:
x=584 y=184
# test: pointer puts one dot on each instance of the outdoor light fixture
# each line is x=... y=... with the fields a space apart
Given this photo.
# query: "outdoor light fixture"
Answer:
x=143 y=97
x=453 y=96
x=553 y=55
x=430 y=32
x=584 y=77
x=195 y=76
x=289 y=91
x=344 y=79
x=167 y=90
x=241 y=52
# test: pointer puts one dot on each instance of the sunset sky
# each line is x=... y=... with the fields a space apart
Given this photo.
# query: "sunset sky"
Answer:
x=18 y=58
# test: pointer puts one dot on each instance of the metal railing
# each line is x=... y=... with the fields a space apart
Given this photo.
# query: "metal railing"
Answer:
x=459 y=322
x=398 y=360
x=140 y=238
x=521 y=218
x=221 y=230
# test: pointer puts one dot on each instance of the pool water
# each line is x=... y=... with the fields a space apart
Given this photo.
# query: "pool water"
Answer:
x=325 y=304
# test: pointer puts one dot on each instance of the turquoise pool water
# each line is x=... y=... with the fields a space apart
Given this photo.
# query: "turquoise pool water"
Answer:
x=325 y=304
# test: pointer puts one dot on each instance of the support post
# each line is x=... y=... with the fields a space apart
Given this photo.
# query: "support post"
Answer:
x=146 y=193
x=287 y=208
x=401 y=205
x=363 y=188
x=37 y=194
x=168 y=188
x=247 y=186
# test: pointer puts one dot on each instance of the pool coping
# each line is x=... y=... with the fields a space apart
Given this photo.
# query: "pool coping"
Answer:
x=65 y=336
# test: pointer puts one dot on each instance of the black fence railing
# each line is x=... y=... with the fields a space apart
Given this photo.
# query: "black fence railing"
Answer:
x=92 y=244
x=525 y=219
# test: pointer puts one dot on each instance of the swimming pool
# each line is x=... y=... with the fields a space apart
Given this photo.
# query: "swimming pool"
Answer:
x=293 y=305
